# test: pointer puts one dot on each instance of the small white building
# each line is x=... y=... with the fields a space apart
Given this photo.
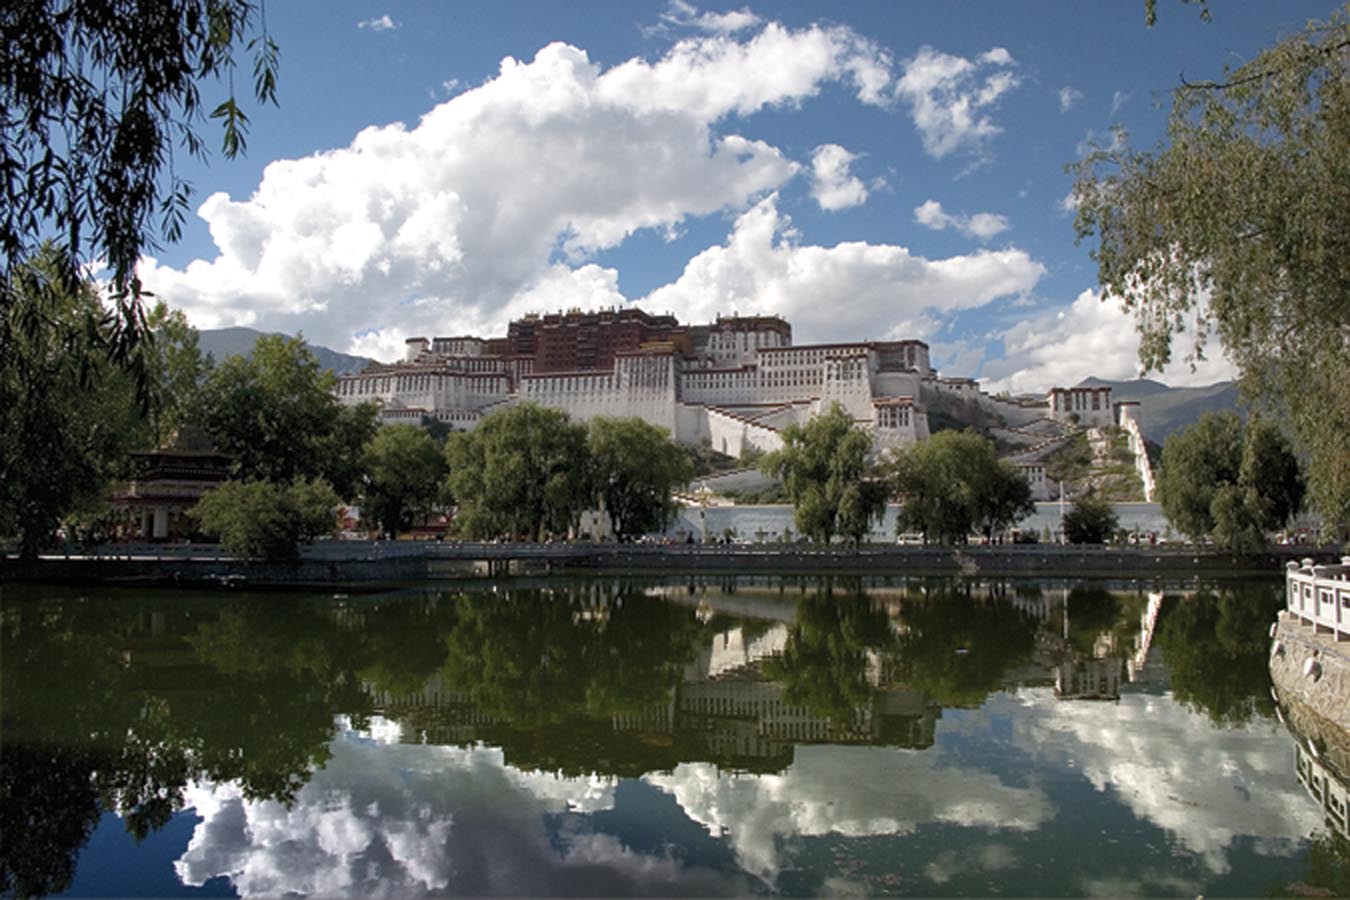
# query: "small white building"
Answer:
x=1084 y=405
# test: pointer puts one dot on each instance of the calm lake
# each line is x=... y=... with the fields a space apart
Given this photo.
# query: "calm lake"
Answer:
x=654 y=737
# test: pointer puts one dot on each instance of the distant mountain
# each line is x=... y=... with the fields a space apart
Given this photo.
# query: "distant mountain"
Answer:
x=223 y=342
x=1163 y=409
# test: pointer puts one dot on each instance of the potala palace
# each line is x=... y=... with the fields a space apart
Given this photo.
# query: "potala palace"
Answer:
x=734 y=383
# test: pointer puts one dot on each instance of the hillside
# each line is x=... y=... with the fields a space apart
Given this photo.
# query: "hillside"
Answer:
x=222 y=342
x=1163 y=409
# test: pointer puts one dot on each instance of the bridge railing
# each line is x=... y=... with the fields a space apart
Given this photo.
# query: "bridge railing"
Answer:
x=1319 y=595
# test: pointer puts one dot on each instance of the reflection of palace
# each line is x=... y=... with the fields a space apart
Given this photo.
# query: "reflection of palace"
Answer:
x=1324 y=785
x=724 y=710
x=1100 y=674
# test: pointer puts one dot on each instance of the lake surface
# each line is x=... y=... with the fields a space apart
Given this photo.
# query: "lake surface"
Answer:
x=639 y=737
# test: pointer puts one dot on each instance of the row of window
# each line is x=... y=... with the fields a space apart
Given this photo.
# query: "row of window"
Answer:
x=359 y=387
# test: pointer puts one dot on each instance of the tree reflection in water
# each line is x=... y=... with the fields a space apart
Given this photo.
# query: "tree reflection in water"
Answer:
x=957 y=645
x=1215 y=644
x=824 y=665
x=537 y=656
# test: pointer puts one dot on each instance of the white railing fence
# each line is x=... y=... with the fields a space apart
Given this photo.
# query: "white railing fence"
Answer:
x=1319 y=595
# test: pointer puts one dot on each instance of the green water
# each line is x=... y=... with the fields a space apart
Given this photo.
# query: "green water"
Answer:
x=623 y=737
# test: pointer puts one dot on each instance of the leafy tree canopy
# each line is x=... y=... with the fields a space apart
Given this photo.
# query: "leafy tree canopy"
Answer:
x=1091 y=520
x=635 y=466
x=1216 y=646
x=1233 y=481
x=68 y=416
x=956 y=647
x=954 y=483
x=175 y=371
x=521 y=473
x=265 y=520
x=1239 y=222
x=275 y=415
x=536 y=657
x=825 y=661
x=827 y=471
x=95 y=99
x=404 y=468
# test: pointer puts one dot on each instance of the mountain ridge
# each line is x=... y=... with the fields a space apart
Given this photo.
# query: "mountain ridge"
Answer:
x=1164 y=409
x=239 y=340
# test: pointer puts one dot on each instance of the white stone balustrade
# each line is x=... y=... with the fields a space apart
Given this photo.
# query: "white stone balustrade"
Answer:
x=1319 y=595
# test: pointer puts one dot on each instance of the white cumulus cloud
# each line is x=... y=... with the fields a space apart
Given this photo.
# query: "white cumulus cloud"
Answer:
x=1091 y=336
x=844 y=292
x=401 y=820
x=930 y=214
x=886 y=792
x=379 y=23
x=1205 y=798
x=833 y=185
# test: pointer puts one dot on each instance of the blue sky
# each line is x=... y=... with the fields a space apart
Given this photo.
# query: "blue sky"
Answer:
x=867 y=170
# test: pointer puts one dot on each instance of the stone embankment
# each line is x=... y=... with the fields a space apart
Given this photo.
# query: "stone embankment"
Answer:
x=374 y=563
x=1311 y=675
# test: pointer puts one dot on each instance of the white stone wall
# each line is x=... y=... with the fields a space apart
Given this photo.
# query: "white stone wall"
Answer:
x=848 y=382
x=719 y=387
x=1128 y=416
x=733 y=435
x=641 y=386
x=897 y=426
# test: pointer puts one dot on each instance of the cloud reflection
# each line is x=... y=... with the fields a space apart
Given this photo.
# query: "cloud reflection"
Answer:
x=1206 y=787
x=386 y=819
x=852 y=791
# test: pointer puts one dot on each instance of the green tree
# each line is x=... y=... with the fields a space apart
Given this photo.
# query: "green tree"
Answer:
x=1240 y=220
x=635 y=467
x=265 y=520
x=1091 y=520
x=68 y=416
x=404 y=467
x=1234 y=482
x=827 y=471
x=954 y=483
x=95 y=99
x=175 y=369
x=521 y=473
x=275 y=415
x=403 y=642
